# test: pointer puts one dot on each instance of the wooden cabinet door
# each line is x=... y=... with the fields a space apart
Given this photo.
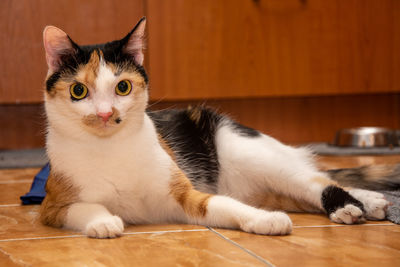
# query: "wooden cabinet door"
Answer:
x=249 y=48
x=22 y=60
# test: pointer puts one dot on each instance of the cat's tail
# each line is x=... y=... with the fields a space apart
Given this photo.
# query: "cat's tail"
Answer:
x=374 y=177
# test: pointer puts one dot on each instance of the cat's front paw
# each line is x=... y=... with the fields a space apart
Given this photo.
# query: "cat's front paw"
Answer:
x=105 y=227
x=375 y=205
x=269 y=223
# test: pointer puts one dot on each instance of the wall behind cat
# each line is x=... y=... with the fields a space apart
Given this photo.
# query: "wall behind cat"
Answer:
x=276 y=63
x=23 y=67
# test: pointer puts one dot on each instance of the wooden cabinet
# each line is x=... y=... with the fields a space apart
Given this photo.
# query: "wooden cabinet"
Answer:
x=248 y=48
x=270 y=55
x=218 y=48
x=22 y=61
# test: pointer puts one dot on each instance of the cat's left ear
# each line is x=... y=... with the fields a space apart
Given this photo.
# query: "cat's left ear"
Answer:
x=133 y=43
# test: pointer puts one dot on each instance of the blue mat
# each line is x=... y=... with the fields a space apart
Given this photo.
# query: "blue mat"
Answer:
x=37 y=191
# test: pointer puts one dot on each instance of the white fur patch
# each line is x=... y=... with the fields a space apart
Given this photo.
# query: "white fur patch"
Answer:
x=105 y=227
x=104 y=93
x=349 y=214
x=375 y=204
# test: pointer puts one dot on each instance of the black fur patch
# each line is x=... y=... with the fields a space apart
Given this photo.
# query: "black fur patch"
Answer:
x=51 y=81
x=192 y=138
x=334 y=197
x=244 y=130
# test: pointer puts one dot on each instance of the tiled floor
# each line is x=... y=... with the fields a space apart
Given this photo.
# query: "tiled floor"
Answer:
x=315 y=241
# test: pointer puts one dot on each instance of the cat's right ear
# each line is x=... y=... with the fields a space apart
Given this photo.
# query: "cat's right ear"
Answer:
x=57 y=44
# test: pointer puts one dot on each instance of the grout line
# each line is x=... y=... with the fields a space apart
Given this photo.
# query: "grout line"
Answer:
x=251 y=253
x=22 y=181
x=167 y=231
x=76 y=236
x=345 y=225
x=9 y=205
x=40 y=238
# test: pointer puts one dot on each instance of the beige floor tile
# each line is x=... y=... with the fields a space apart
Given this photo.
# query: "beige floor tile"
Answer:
x=203 y=248
x=22 y=222
x=14 y=183
x=367 y=245
x=10 y=192
x=18 y=174
x=7 y=260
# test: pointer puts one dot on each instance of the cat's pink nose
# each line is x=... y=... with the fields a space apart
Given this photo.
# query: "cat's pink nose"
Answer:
x=104 y=115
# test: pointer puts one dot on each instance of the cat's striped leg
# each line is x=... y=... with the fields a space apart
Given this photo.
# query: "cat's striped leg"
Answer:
x=225 y=212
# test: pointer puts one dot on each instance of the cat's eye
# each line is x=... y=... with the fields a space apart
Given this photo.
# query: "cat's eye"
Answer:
x=78 y=91
x=123 y=88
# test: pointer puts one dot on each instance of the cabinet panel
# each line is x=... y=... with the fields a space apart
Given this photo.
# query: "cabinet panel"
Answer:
x=23 y=65
x=246 y=48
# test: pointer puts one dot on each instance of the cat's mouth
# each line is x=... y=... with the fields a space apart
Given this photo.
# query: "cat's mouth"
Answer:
x=102 y=126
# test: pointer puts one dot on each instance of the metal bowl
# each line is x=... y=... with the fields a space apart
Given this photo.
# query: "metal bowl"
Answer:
x=366 y=137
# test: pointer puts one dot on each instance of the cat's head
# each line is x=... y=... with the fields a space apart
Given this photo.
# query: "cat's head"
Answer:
x=95 y=88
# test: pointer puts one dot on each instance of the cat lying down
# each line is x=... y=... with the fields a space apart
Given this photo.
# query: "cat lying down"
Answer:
x=115 y=163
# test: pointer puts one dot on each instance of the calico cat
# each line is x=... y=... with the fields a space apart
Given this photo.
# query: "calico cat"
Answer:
x=114 y=163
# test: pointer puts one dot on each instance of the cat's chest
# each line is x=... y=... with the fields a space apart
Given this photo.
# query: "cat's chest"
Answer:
x=134 y=189
x=110 y=171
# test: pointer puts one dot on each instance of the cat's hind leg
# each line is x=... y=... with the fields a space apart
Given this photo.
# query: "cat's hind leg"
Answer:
x=258 y=165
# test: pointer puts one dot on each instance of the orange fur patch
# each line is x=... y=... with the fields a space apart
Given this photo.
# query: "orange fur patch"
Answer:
x=95 y=121
x=87 y=73
x=60 y=195
x=61 y=89
x=193 y=202
x=96 y=125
